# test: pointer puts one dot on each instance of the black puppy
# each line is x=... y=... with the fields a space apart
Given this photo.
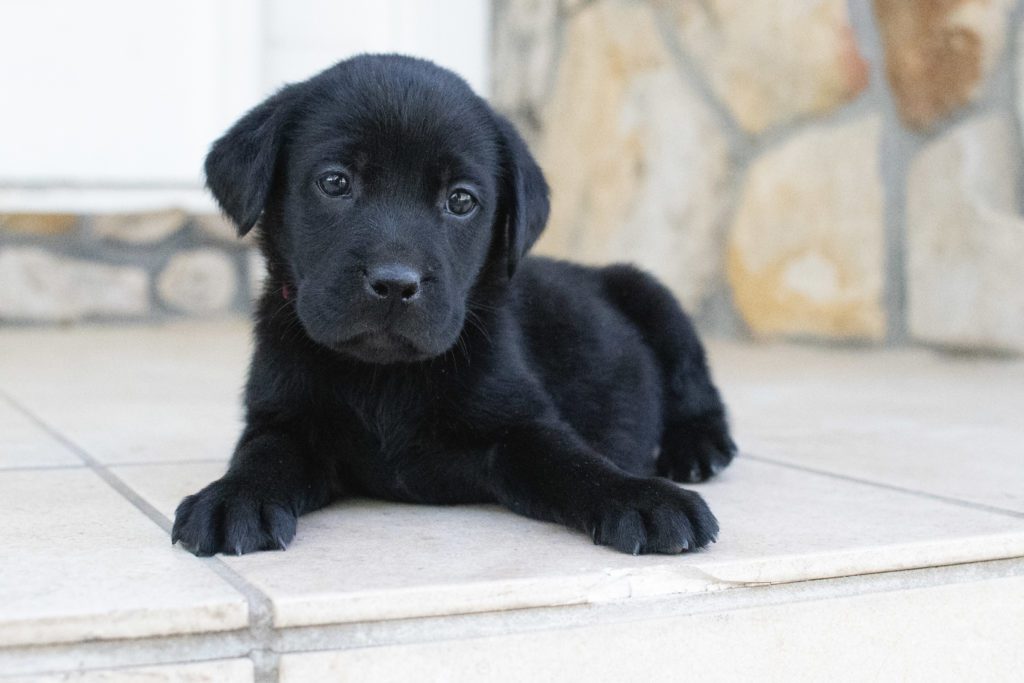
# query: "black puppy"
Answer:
x=406 y=349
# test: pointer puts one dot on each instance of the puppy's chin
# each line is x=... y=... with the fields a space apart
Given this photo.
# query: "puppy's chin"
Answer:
x=380 y=341
x=378 y=346
x=381 y=348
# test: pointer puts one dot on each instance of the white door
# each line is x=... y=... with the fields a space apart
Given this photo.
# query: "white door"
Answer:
x=110 y=105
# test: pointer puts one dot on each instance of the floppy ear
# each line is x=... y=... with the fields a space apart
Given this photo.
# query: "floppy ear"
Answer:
x=240 y=165
x=526 y=203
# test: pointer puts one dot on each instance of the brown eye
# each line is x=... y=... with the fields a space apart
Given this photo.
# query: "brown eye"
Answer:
x=460 y=203
x=334 y=184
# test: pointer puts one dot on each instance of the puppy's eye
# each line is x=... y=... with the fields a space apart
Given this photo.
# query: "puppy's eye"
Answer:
x=460 y=203
x=334 y=184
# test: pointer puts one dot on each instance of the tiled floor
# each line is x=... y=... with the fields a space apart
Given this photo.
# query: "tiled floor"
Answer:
x=879 y=504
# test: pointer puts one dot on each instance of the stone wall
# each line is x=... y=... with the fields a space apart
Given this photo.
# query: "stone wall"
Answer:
x=59 y=268
x=827 y=169
x=798 y=168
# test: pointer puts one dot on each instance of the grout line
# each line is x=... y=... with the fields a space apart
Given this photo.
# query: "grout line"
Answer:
x=897 y=146
x=693 y=74
x=40 y=468
x=260 y=608
x=187 y=461
x=1015 y=55
x=111 y=465
x=892 y=487
x=117 y=667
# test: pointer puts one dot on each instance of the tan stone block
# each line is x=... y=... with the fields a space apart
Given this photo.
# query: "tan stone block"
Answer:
x=806 y=251
x=38 y=223
x=219 y=227
x=773 y=62
x=965 y=239
x=938 y=53
x=200 y=281
x=637 y=164
x=139 y=228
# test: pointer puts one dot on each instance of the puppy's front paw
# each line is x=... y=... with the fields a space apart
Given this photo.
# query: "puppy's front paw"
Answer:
x=232 y=515
x=653 y=516
x=696 y=450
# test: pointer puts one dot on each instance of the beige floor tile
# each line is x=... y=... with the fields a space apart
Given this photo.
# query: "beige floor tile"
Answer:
x=366 y=560
x=24 y=444
x=949 y=426
x=163 y=485
x=81 y=563
x=128 y=394
x=962 y=632
x=226 y=671
x=160 y=431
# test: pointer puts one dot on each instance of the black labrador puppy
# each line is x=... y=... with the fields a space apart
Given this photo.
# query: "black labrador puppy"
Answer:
x=407 y=349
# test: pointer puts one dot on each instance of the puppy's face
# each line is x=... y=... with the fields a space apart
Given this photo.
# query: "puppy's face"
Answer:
x=390 y=188
x=389 y=215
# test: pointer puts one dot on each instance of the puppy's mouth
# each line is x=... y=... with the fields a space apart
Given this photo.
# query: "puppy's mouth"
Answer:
x=381 y=346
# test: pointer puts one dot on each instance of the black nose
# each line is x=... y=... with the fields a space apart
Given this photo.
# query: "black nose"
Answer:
x=392 y=281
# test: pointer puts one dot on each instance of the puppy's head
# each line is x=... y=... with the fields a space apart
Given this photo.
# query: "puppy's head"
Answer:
x=385 y=191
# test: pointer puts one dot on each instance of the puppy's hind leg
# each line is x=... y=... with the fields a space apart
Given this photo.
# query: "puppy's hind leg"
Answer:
x=695 y=443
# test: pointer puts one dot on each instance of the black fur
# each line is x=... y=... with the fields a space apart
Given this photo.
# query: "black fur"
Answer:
x=412 y=354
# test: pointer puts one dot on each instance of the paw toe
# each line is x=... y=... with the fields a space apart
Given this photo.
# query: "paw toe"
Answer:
x=195 y=527
x=242 y=530
x=624 y=531
x=670 y=532
x=280 y=525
